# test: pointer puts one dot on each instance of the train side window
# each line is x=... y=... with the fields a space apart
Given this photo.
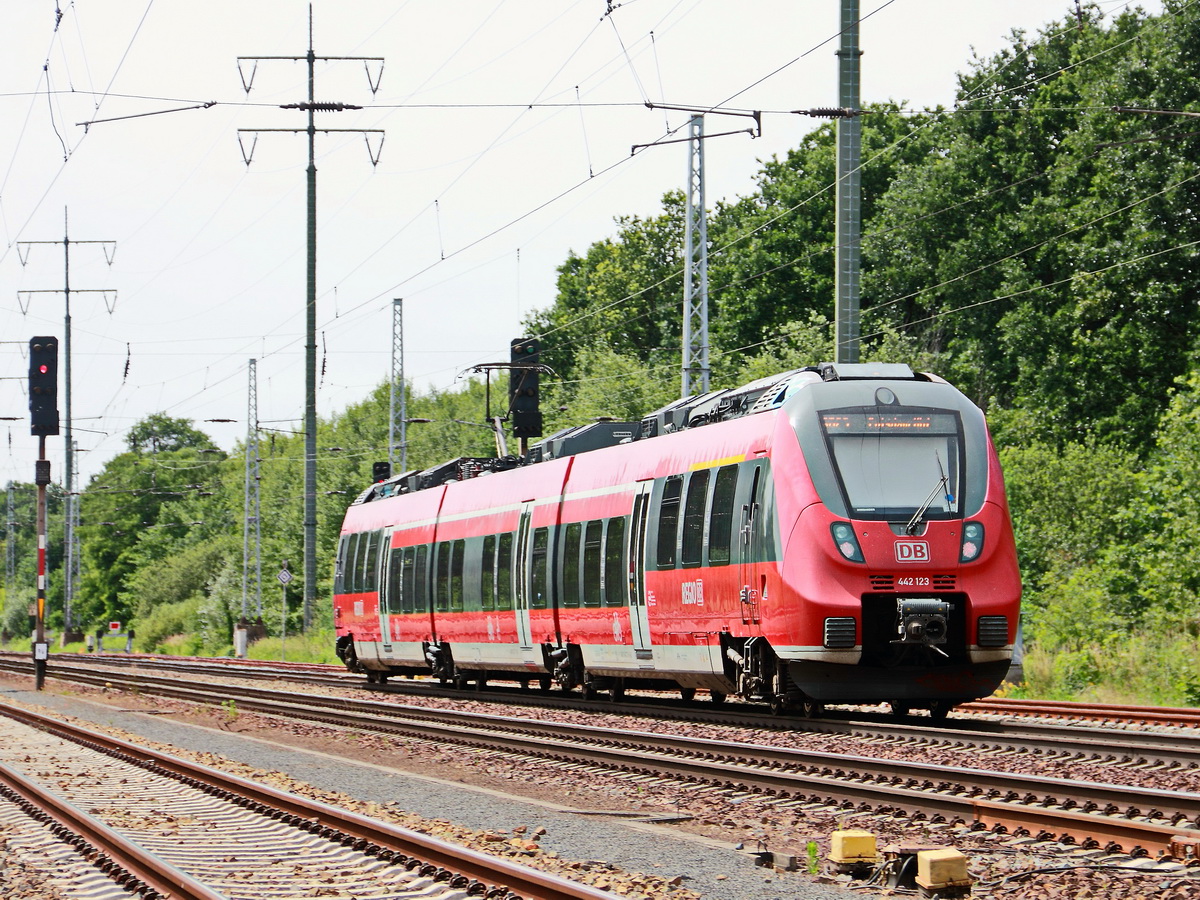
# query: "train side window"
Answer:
x=408 y=590
x=504 y=572
x=570 y=568
x=692 y=551
x=395 y=580
x=487 y=584
x=615 y=573
x=538 y=558
x=370 y=577
x=592 y=547
x=720 y=520
x=350 y=579
x=360 y=562
x=421 y=594
x=457 y=549
x=668 y=522
x=339 y=568
x=441 y=580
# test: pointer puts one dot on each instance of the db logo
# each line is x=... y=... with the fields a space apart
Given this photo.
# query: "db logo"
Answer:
x=912 y=551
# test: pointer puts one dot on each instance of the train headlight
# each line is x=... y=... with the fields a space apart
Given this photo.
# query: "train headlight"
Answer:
x=972 y=541
x=846 y=541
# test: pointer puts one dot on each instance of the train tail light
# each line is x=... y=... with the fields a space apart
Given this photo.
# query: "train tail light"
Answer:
x=846 y=541
x=972 y=541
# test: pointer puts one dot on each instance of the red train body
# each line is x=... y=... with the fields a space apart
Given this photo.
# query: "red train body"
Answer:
x=834 y=535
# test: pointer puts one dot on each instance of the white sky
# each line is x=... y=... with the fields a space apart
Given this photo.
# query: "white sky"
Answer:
x=466 y=216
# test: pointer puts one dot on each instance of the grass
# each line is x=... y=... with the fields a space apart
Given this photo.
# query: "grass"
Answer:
x=316 y=646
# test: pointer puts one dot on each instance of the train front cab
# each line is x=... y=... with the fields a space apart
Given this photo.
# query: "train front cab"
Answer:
x=899 y=551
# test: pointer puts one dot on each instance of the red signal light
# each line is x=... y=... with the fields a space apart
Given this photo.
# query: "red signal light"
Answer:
x=43 y=368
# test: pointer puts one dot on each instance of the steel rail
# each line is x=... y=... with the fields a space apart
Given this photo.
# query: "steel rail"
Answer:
x=1020 y=734
x=988 y=799
x=115 y=850
x=1166 y=747
x=1162 y=715
x=421 y=721
x=450 y=860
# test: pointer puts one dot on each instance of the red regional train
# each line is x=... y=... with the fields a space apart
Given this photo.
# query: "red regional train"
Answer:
x=836 y=534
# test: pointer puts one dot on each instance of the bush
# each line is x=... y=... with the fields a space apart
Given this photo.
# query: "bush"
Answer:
x=167 y=627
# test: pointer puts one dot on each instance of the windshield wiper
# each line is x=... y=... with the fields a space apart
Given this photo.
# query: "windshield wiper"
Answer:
x=943 y=485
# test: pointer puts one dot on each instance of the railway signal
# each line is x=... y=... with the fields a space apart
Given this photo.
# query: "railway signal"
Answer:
x=43 y=386
x=524 y=398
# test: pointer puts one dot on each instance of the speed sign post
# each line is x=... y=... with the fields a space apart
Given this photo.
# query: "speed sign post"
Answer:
x=285 y=578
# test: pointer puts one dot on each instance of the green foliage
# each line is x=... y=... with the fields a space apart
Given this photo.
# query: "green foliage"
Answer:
x=140 y=505
x=1139 y=667
x=314 y=646
x=179 y=576
x=22 y=531
x=160 y=628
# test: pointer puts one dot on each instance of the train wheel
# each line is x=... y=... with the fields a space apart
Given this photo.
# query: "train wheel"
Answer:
x=812 y=709
x=939 y=710
x=372 y=678
x=779 y=705
x=459 y=681
x=588 y=689
x=618 y=691
x=688 y=694
x=481 y=682
x=544 y=683
x=899 y=710
x=717 y=697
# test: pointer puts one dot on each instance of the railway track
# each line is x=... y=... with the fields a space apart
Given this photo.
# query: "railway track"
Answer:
x=1032 y=719
x=161 y=827
x=1173 y=716
x=659 y=705
x=1137 y=820
x=1136 y=748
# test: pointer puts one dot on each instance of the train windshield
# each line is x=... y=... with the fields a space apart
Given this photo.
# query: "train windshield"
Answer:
x=898 y=463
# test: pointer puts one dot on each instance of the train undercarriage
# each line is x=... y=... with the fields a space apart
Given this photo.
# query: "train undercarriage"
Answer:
x=753 y=671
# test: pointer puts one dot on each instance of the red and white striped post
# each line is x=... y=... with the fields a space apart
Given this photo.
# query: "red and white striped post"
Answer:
x=41 y=650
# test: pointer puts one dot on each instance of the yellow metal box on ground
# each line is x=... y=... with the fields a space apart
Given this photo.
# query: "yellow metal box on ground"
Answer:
x=853 y=845
x=941 y=869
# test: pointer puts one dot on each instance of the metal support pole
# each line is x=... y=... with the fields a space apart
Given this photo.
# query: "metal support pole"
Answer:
x=310 y=303
x=73 y=559
x=397 y=400
x=310 y=355
x=10 y=543
x=695 y=272
x=70 y=499
x=849 y=190
x=252 y=527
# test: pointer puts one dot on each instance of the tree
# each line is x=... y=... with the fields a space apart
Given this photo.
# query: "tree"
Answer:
x=133 y=510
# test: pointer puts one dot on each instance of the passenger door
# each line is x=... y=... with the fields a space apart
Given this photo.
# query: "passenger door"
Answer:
x=639 y=622
x=389 y=586
x=522 y=575
x=750 y=550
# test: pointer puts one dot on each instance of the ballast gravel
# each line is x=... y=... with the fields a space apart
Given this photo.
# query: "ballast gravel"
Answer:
x=710 y=869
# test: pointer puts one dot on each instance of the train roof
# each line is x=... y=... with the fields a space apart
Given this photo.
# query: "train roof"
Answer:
x=758 y=396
